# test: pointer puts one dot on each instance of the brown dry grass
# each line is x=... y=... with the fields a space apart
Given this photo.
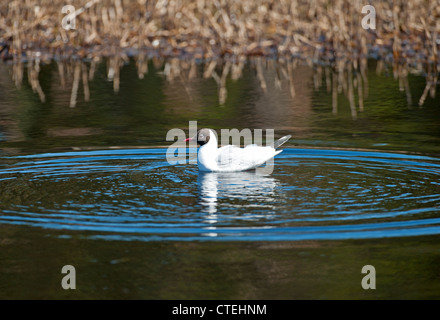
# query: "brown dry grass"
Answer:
x=324 y=33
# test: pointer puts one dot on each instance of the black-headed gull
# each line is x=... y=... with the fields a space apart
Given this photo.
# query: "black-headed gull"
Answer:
x=211 y=158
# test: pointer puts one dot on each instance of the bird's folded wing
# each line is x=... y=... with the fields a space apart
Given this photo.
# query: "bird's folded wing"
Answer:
x=236 y=158
x=229 y=157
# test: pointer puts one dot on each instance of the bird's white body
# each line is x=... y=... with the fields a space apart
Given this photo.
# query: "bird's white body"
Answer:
x=230 y=158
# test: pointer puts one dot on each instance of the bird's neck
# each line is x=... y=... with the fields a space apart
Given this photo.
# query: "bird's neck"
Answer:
x=207 y=155
x=212 y=143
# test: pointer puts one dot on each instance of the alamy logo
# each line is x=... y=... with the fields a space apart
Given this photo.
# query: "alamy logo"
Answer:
x=69 y=21
x=177 y=153
x=69 y=280
x=369 y=281
x=369 y=21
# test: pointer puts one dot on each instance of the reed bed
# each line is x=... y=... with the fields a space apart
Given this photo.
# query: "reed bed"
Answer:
x=224 y=35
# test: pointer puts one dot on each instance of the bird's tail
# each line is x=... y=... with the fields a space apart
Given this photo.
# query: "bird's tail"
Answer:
x=281 y=141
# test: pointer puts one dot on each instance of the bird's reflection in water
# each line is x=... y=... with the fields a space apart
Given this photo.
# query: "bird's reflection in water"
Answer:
x=252 y=187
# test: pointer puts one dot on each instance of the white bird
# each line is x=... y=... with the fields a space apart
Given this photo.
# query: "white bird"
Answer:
x=231 y=158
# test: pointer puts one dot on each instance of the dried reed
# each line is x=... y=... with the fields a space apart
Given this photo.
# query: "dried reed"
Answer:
x=324 y=33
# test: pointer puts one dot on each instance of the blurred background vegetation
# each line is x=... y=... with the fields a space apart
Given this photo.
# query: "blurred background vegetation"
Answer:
x=142 y=67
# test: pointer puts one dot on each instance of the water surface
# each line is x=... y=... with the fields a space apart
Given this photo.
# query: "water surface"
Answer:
x=135 y=194
x=90 y=186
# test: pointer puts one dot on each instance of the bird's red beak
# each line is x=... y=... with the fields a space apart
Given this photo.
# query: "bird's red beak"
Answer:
x=191 y=139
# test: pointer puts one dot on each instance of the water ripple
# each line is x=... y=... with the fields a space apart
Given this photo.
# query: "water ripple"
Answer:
x=134 y=194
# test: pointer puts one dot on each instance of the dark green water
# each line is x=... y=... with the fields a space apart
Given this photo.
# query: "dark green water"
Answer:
x=90 y=187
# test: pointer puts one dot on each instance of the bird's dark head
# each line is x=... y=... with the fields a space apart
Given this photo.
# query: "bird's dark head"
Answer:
x=202 y=137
